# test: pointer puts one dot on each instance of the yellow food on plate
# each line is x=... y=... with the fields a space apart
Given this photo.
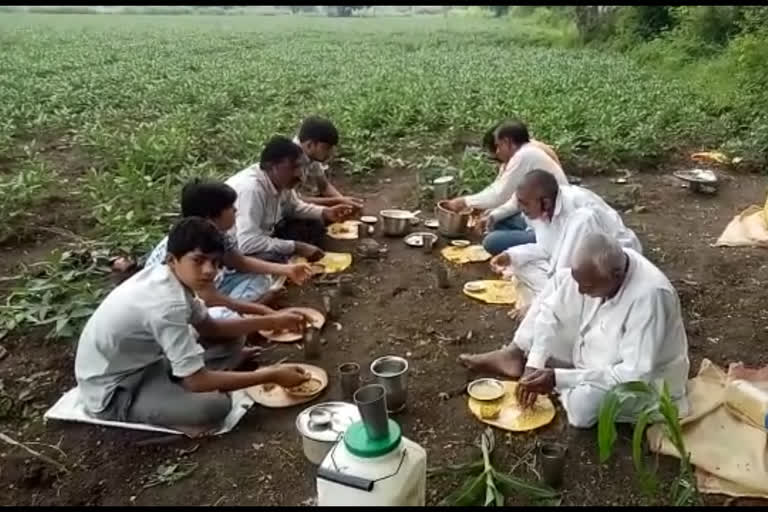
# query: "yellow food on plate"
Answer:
x=462 y=255
x=490 y=411
x=493 y=291
x=511 y=415
x=486 y=389
x=331 y=263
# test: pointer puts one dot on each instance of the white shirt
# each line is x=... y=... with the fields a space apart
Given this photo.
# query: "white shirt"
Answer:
x=147 y=318
x=577 y=213
x=260 y=206
x=636 y=335
x=501 y=196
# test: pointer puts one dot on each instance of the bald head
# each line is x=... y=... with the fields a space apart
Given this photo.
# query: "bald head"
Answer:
x=537 y=194
x=598 y=264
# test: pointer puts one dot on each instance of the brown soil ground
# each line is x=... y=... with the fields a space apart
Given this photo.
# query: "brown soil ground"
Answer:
x=397 y=310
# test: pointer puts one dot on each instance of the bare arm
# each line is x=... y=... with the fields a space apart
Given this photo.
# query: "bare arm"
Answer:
x=205 y=380
x=250 y=265
x=296 y=272
x=213 y=297
x=323 y=201
x=325 y=187
x=233 y=327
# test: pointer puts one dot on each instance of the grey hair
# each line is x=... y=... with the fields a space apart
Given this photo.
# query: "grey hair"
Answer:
x=544 y=182
x=601 y=251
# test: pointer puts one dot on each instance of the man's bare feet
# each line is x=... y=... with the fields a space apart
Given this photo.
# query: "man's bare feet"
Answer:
x=504 y=362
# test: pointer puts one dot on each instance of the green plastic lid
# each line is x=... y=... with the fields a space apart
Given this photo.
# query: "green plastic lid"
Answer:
x=358 y=443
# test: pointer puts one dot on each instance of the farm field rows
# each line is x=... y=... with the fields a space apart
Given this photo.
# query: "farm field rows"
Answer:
x=102 y=118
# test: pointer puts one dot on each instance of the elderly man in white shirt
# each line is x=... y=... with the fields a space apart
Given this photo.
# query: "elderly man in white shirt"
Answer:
x=561 y=215
x=519 y=155
x=613 y=317
x=272 y=223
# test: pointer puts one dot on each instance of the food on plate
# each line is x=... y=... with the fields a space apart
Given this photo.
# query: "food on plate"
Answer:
x=486 y=389
x=306 y=388
x=490 y=411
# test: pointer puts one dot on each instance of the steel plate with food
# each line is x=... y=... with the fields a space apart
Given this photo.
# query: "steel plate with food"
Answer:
x=417 y=240
x=486 y=390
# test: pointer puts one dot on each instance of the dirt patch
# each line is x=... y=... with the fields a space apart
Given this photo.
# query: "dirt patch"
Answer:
x=397 y=310
x=58 y=216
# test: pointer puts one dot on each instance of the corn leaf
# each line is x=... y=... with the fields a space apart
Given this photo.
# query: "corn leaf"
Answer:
x=510 y=486
x=470 y=493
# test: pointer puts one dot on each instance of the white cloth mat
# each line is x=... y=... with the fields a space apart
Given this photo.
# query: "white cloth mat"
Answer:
x=71 y=408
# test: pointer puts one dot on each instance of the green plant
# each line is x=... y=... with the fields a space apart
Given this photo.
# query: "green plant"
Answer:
x=145 y=102
x=60 y=293
x=488 y=486
x=652 y=406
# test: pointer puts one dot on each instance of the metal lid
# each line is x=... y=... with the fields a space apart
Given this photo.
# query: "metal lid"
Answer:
x=358 y=443
x=342 y=415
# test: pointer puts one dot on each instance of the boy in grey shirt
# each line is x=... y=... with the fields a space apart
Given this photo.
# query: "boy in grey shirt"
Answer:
x=138 y=358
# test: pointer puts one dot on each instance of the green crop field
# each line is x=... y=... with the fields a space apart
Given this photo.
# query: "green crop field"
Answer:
x=114 y=112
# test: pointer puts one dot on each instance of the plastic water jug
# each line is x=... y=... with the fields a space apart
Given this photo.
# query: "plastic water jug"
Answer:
x=359 y=471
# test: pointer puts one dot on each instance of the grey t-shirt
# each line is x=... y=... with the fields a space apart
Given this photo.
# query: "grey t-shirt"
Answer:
x=147 y=318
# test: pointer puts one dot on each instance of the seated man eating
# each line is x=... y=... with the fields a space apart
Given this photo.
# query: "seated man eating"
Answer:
x=560 y=216
x=613 y=317
x=318 y=138
x=518 y=155
x=243 y=280
x=139 y=358
x=272 y=223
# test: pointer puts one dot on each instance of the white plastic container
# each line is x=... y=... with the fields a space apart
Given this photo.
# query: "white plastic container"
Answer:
x=359 y=472
x=748 y=401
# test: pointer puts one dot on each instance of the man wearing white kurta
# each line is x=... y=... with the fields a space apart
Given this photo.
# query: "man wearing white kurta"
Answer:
x=561 y=215
x=612 y=318
x=519 y=155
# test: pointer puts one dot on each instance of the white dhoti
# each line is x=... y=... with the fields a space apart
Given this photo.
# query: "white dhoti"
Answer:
x=529 y=267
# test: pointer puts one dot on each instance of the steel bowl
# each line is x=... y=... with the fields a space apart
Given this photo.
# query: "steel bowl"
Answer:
x=451 y=224
x=495 y=389
x=395 y=222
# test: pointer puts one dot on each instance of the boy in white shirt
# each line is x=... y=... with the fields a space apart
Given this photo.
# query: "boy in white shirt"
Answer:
x=242 y=281
x=139 y=358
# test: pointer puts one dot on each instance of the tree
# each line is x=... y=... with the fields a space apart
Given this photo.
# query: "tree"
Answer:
x=344 y=11
x=499 y=10
x=296 y=9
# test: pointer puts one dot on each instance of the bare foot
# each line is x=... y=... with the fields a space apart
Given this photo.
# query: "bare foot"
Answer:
x=504 y=362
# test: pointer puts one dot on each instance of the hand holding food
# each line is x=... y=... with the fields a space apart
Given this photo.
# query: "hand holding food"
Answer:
x=289 y=375
x=298 y=273
x=337 y=213
x=353 y=202
x=288 y=321
x=309 y=251
x=482 y=224
x=500 y=262
x=455 y=205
